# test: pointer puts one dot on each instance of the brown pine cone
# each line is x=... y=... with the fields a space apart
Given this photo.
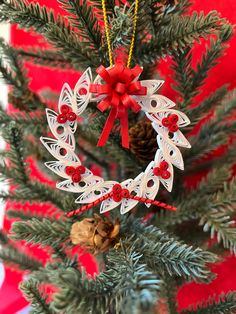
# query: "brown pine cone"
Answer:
x=95 y=234
x=142 y=139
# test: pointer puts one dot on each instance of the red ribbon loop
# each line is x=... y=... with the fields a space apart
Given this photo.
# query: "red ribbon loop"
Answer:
x=120 y=85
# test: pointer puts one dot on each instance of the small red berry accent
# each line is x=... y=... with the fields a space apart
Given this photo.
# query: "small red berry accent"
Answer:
x=117 y=197
x=81 y=169
x=165 y=174
x=125 y=193
x=157 y=171
x=171 y=123
x=61 y=118
x=165 y=122
x=117 y=188
x=71 y=116
x=118 y=193
x=162 y=171
x=173 y=118
x=173 y=128
x=76 y=177
x=75 y=172
x=66 y=115
x=70 y=170
x=65 y=109
x=164 y=165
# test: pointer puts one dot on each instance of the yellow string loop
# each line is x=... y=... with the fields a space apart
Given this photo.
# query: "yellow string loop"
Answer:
x=135 y=18
x=108 y=37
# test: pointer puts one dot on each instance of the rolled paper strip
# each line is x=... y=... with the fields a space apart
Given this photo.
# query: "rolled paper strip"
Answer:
x=70 y=170
x=71 y=116
x=80 y=169
x=65 y=109
x=76 y=177
x=157 y=171
x=165 y=174
x=164 y=165
x=173 y=118
x=165 y=122
x=61 y=118
x=173 y=128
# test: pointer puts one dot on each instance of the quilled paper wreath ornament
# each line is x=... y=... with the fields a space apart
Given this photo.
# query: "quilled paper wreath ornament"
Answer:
x=117 y=89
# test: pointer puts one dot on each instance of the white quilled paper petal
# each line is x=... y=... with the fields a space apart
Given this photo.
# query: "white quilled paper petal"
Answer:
x=152 y=85
x=92 y=194
x=58 y=150
x=64 y=132
x=154 y=103
x=65 y=97
x=80 y=187
x=81 y=95
x=171 y=151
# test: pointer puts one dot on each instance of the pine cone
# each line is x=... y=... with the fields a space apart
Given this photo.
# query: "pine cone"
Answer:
x=143 y=143
x=95 y=234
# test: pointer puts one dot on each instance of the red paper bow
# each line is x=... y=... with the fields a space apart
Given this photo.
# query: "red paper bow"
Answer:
x=120 y=85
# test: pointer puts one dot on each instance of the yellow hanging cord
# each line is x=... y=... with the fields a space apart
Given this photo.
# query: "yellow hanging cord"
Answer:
x=108 y=37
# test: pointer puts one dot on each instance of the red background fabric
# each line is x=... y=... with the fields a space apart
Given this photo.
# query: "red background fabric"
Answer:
x=41 y=77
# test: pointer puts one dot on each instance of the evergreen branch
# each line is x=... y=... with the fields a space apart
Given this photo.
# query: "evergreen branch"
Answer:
x=27 y=190
x=29 y=123
x=13 y=257
x=218 y=220
x=53 y=28
x=36 y=297
x=213 y=133
x=225 y=303
x=194 y=204
x=28 y=15
x=197 y=113
x=3 y=238
x=71 y=46
x=125 y=276
x=83 y=18
x=44 y=232
x=13 y=136
x=179 y=34
x=11 y=71
x=121 y=28
x=137 y=287
x=162 y=252
x=188 y=80
x=46 y=58
x=24 y=214
x=10 y=67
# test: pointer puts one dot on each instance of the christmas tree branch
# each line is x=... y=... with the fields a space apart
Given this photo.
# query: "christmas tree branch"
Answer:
x=48 y=58
x=36 y=296
x=12 y=256
x=226 y=303
x=11 y=70
x=160 y=251
x=218 y=221
x=44 y=231
x=179 y=34
x=189 y=80
x=82 y=17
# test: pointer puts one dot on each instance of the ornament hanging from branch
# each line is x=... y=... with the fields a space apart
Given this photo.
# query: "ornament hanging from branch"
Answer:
x=116 y=88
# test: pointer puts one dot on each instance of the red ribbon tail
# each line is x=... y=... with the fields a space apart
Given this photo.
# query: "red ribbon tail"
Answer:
x=107 y=127
x=124 y=129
